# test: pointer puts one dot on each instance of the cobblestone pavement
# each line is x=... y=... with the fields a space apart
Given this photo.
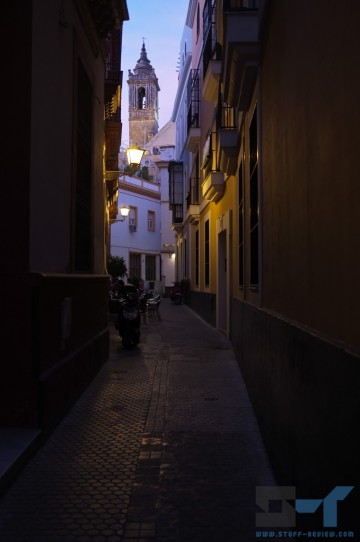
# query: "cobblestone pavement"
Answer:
x=163 y=446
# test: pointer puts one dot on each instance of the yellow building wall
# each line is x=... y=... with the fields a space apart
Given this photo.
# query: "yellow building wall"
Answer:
x=311 y=171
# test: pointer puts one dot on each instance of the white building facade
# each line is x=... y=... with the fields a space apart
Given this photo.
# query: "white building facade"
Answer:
x=160 y=151
x=137 y=238
x=145 y=239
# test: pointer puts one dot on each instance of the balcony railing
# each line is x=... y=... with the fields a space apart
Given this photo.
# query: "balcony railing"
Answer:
x=226 y=118
x=193 y=116
x=209 y=155
x=228 y=139
x=212 y=49
x=193 y=94
x=240 y=5
x=209 y=14
x=214 y=182
x=112 y=111
x=193 y=194
x=113 y=72
x=177 y=214
x=241 y=51
x=175 y=170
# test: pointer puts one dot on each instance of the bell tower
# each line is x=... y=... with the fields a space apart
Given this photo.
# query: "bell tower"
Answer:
x=143 y=101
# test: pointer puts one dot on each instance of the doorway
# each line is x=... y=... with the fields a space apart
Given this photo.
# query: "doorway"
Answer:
x=222 y=290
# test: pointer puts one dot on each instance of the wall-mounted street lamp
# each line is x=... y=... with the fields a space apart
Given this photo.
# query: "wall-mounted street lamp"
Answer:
x=134 y=155
x=124 y=212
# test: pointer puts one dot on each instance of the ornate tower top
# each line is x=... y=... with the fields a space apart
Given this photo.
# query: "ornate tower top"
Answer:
x=143 y=101
x=143 y=63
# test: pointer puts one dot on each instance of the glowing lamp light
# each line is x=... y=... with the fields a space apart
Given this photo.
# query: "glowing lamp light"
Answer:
x=124 y=211
x=134 y=155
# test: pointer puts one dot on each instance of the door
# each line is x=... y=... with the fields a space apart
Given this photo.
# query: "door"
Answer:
x=222 y=290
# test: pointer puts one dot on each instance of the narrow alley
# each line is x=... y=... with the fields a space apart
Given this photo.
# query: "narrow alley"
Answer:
x=163 y=446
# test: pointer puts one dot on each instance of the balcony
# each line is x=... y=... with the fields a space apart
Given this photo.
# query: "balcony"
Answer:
x=193 y=139
x=112 y=141
x=213 y=186
x=175 y=170
x=192 y=201
x=193 y=117
x=211 y=66
x=229 y=147
x=177 y=217
x=228 y=140
x=241 y=55
x=113 y=74
x=211 y=81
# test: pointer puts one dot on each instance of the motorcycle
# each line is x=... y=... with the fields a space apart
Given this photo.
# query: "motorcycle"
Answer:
x=176 y=294
x=128 y=319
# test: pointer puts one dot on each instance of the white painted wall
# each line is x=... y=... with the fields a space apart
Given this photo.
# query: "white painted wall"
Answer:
x=168 y=240
x=143 y=241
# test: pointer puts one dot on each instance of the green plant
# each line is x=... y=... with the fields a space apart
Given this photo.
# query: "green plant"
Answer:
x=143 y=172
x=116 y=266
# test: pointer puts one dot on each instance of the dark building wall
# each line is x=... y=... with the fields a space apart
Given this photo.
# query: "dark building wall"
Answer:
x=52 y=355
x=54 y=324
x=299 y=350
x=310 y=118
x=15 y=145
x=305 y=394
x=204 y=304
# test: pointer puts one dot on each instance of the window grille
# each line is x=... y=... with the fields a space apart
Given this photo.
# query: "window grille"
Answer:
x=193 y=100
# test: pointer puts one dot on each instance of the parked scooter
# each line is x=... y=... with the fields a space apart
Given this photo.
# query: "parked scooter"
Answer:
x=128 y=320
x=176 y=294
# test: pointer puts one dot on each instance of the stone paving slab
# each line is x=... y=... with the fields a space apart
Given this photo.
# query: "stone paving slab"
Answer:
x=163 y=446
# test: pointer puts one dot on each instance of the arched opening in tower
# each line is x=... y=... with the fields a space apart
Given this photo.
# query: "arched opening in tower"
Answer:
x=141 y=98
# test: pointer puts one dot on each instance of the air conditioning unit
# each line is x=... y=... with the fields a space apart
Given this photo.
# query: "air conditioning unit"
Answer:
x=132 y=227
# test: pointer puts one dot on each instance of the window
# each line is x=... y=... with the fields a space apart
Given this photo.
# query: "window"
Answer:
x=209 y=163
x=135 y=266
x=150 y=267
x=198 y=22
x=193 y=192
x=133 y=219
x=254 y=203
x=176 y=191
x=207 y=253
x=193 y=99
x=212 y=48
x=241 y=226
x=151 y=220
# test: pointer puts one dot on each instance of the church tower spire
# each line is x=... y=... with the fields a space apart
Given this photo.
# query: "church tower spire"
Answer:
x=143 y=101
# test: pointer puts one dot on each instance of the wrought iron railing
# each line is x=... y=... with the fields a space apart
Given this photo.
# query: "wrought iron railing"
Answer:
x=209 y=13
x=112 y=112
x=212 y=48
x=177 y=214
x=241 y=5
x=192 y=196
x=193 y=95
x=113 y=72
x=226 y=118
x=209 y=161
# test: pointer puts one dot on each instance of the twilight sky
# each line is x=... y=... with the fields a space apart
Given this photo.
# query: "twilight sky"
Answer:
x=161 y=23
